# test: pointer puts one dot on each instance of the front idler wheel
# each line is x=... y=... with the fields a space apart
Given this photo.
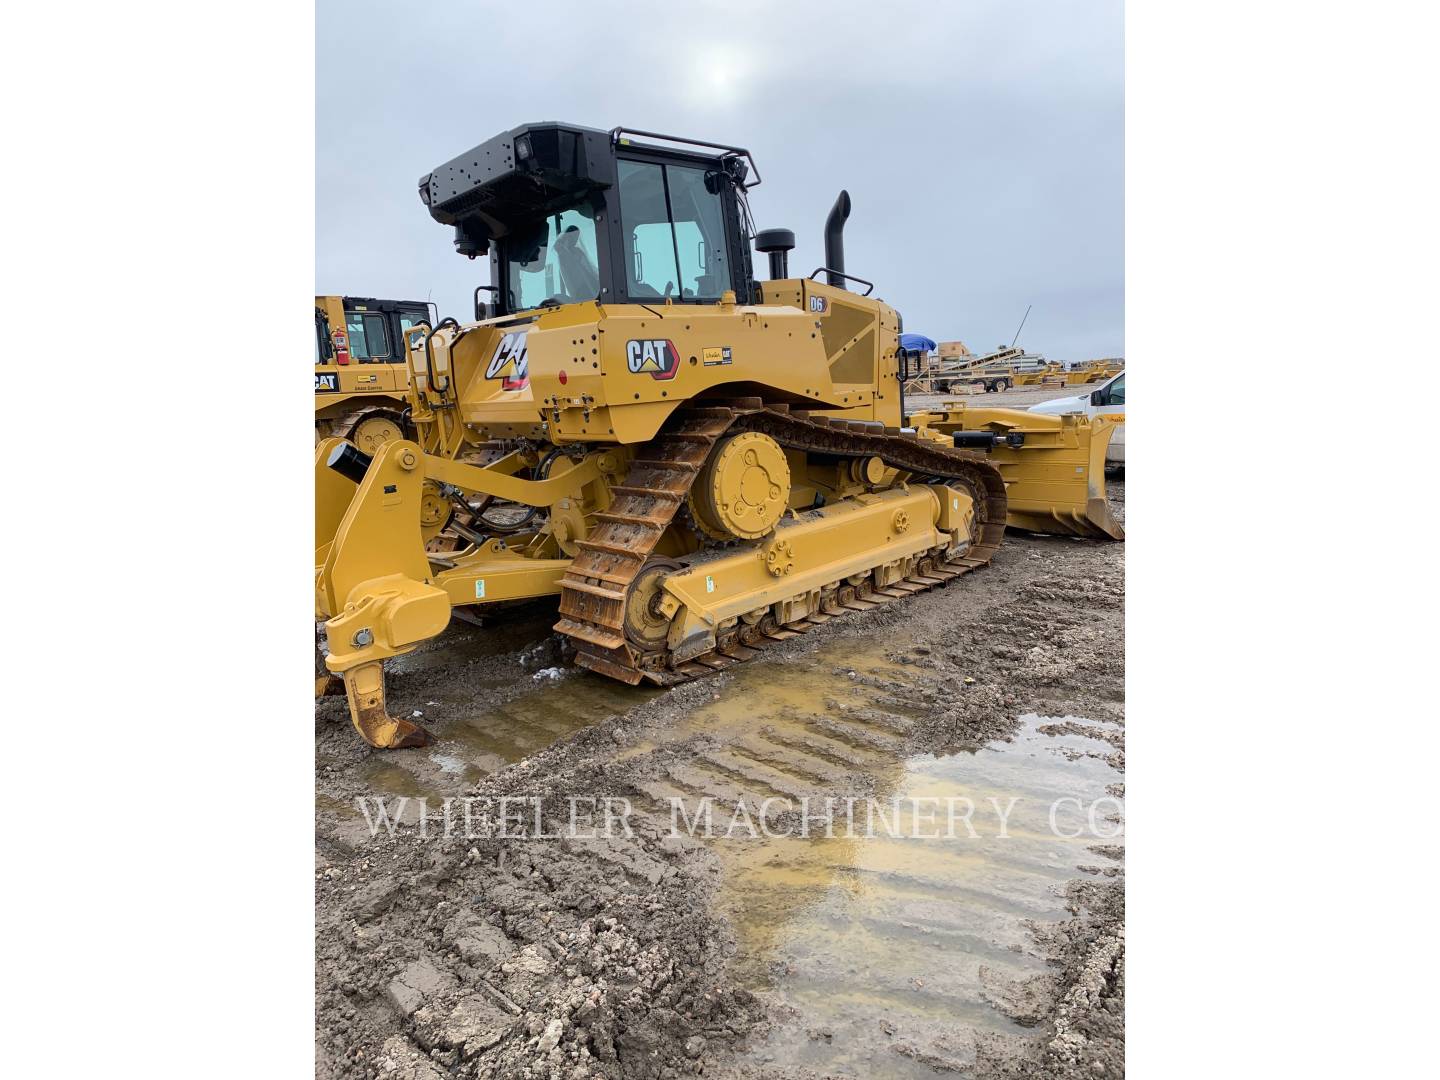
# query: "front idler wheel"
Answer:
x=647 y=626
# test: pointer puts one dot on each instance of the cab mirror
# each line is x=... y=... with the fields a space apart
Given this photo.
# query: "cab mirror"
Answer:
x=1097 y=397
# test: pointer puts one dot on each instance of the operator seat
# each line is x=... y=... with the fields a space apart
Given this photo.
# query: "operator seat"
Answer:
x=578 y=272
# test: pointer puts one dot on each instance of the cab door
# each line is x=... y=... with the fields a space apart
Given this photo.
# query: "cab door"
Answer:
x=1109 y=400
x=374 y=349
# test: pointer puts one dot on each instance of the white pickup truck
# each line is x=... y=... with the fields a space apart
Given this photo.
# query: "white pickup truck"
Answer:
x=1107 y=399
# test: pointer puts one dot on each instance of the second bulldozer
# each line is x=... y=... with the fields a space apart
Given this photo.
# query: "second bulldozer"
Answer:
x=696 y=463
x=361 y=377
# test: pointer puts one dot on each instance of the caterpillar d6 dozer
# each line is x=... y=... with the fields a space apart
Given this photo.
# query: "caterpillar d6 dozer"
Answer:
x=695 y=462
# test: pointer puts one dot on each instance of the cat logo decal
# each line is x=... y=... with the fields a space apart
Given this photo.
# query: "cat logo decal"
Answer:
x=511 y=362
x=655 y=357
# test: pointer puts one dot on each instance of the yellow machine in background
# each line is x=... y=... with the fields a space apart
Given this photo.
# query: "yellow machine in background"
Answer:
x=1051 y=371
x=361 y=377
x=1093 y=371
x=694 y=462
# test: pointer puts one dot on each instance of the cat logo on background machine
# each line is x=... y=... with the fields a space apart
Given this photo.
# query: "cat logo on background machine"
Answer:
x=511 y=362
x=655 y=357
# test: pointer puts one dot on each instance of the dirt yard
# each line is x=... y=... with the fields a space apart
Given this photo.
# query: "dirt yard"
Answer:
x=1019 y=397
x=993 y=949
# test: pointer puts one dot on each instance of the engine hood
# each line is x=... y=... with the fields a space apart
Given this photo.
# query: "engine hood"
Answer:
x=1058 y=406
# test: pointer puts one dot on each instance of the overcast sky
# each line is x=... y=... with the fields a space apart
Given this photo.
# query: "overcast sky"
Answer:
x=982 y=141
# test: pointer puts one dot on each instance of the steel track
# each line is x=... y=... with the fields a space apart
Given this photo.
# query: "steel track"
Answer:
x=594 y=589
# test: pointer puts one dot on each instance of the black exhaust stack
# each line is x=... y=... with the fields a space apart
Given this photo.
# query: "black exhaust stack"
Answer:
x=835 y=240
x=776 y=243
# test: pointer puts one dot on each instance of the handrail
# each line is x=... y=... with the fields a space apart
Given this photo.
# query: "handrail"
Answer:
x=449 y=320
x=615 y=134
x=848 y=277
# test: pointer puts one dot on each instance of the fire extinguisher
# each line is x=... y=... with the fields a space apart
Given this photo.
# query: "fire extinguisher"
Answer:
x=342 y=347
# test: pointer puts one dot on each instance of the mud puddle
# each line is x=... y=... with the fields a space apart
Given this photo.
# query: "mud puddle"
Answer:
x=477 y=738
x=477 y=732
x=894 y=932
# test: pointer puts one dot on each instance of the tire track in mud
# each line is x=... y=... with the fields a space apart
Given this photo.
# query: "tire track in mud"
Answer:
x=920 y=935
x=421 y=946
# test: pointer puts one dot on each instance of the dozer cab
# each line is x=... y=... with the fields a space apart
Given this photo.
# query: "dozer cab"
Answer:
x=361 y=376
x=694 y=462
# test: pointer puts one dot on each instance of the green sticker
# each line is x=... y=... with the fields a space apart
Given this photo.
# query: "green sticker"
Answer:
x=709 y=583
x=480 y=588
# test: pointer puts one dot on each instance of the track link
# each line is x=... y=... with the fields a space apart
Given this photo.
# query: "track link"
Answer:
x=594 y=589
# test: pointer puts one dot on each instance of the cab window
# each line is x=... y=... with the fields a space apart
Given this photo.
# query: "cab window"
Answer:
x=699 y=232
x=650 y=270
x=1115 y=393
x=674 y=230
x=408 y=321
x=368 y=339
x=552 y=261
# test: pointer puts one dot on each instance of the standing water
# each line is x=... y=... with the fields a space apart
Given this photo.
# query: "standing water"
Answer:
x=893 y=937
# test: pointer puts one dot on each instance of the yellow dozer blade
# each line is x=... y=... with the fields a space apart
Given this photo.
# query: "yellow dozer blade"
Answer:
x=1053 y=466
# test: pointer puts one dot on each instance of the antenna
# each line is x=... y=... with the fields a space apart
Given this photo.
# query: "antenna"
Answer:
x=1021 y=326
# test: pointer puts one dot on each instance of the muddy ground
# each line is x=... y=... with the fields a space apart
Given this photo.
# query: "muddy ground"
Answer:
x=657 y=955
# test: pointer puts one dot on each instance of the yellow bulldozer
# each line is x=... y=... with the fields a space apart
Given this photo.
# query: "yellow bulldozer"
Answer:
x=361 y=377
x=694 y=462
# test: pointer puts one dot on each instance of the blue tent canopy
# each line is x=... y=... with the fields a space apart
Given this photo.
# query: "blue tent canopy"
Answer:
x=916 y=343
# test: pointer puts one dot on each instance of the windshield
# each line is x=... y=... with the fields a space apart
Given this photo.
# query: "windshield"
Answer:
x=552 y=260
